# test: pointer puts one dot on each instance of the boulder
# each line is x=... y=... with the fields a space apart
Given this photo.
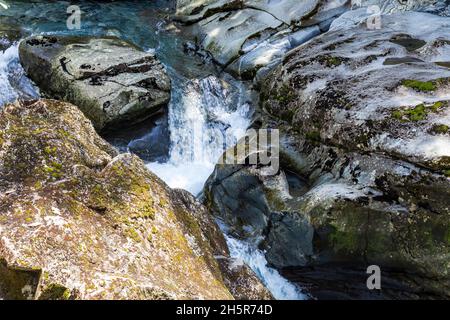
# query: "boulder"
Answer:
x=112 y=81
x=364 y=117
x=250 y=37
x=79 y=221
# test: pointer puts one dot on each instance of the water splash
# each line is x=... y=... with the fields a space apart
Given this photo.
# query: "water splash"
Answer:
x=205 y=117
x=13 y=82
x=280 y=288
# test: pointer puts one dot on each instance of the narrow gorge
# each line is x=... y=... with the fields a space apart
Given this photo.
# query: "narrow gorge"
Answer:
x=111 y=135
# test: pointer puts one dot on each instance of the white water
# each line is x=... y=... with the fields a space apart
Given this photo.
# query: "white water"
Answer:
x=280 y=288
x=205 y=117
x=13 y=83
x=6 y=59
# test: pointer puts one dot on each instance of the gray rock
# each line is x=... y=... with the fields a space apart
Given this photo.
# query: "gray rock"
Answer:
x=111 y=81
x=368 y=201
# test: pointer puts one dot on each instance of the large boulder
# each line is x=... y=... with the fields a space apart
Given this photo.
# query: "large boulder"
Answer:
x=250 y=37
x=110 y=80
x=79 y=221
x=364 y=117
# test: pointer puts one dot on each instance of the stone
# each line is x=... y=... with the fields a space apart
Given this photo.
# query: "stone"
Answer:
x=112 y=81
x=80 y=221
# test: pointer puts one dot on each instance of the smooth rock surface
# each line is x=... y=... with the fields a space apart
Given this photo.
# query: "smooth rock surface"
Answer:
x=113 y=82
x=370 y=140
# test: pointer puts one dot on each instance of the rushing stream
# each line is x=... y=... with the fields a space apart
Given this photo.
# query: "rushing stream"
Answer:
x=208 y=111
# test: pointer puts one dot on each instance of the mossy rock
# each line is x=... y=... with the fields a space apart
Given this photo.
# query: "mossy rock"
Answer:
x=95 y=224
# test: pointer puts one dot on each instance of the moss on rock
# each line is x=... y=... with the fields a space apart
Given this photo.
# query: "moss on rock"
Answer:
x=83 y=214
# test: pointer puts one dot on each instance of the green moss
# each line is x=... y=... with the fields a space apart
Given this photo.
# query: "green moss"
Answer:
x=133 y=234
x=447 y=173
x=50 y=151
x=397 y=114
x=148 y=212
x=419 y=85
x=437 y=106
x=333 y=61
x=440 y=129
x=55 y=292
x=54 y=170
x=163 y=202
x=344 y=241
x=285 y=95
x=313 y=136
x=417 y=114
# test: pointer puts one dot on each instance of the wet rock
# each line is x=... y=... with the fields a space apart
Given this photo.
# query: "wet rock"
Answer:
x=79 y=221
x=113 y=82
x=10 y=32
x=366 y=102
x=149 y=140
x=249 y=38
x=366 y=201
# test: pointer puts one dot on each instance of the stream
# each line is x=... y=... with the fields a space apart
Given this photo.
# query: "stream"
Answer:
x=209 y=111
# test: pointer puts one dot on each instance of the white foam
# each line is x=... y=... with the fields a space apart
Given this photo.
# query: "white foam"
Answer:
x=7 y=57
x=280 y=288
x=204 y=119
x=13 y=83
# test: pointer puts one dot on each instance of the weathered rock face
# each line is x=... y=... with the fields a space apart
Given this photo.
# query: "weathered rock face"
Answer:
x=78 y=221
x=391 y=97
x=364 y=121
x=110 y=80
x=250 y=37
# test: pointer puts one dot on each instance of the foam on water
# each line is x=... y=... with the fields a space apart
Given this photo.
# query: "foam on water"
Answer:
x=13 y=83
x=205 y=117
x=280 y=288
x=6 y=58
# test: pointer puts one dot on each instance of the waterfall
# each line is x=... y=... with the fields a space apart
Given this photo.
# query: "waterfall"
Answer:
x=280 y=287
x=205 y=117
x=13 y=83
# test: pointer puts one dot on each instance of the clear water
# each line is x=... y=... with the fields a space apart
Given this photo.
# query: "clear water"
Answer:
x=208 y=111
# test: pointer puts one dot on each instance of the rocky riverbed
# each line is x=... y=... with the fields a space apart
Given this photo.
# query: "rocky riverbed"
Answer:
x=361 y=102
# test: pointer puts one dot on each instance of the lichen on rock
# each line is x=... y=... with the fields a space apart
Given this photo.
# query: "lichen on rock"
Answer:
x=79 y=221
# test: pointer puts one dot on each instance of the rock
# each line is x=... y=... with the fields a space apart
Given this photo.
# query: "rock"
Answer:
x=149 y=140
x=370 y=141
x=224 y=34
x=79 y=221
x=364 y=103
x=111 y=81
x=249 y=38
x=10 y=32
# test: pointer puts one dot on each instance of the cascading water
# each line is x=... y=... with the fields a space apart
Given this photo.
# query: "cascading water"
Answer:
x=207 y=113
x=13 y=83
x=205 y=117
